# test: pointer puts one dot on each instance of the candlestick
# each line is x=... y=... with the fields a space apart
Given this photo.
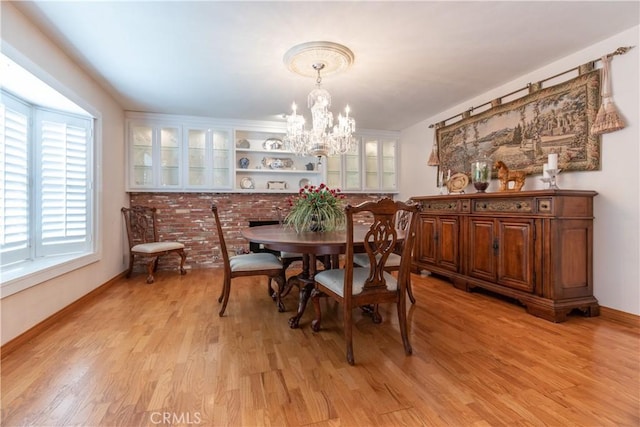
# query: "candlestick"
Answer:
x=545 y=170
x=553 y=161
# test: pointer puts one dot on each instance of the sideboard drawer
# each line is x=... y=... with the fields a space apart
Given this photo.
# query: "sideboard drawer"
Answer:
x=510 y=206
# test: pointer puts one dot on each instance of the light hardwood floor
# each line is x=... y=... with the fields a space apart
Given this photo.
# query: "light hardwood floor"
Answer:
x=159 y=355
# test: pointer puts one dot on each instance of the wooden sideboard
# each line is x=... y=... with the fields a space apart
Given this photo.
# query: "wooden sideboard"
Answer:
x=533 y=246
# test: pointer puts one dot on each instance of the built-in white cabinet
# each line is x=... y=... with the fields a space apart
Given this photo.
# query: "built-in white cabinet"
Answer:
x=380 y=164
x=178 y=155
x=371 y=165
x=344 y=171
x=175 y=153
x=264 y=165
x=209 y=158
x=154 y=155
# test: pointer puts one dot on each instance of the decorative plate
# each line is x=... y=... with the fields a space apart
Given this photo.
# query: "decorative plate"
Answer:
x=303 y=182
x=273 y=144
x=243 y=143
x=458 y=182
x=277 y=163
x=247 y=183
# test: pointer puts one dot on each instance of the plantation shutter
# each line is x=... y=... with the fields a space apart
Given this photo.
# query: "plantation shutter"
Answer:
x=64 y=181
x=14 y=181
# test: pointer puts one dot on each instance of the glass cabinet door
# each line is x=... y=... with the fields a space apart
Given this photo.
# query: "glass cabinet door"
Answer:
x=208 y=158
x=388 y=166
x=154 y=155
x=334 y=168
x=372 y=178
x=196 y=157
x=221 y=164
x=142 y=156
x=169 y=156
x=343 y=171
x=352 y=169
x=380 y=163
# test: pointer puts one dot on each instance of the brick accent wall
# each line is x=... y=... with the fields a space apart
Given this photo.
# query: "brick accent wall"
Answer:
x=187 y=218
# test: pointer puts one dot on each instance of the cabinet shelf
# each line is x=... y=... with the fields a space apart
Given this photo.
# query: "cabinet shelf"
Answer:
x=263 y=151
x=279 y=171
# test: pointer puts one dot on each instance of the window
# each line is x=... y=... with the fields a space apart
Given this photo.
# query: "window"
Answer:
x=46 y=194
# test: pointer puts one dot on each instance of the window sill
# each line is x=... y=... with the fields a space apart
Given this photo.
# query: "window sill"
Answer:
x=21 y=276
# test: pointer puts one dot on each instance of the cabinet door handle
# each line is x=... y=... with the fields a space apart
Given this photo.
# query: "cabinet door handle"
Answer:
x=495 y=246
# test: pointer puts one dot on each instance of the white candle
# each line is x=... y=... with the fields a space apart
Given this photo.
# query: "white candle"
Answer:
x=553 y=161
x=545 y=167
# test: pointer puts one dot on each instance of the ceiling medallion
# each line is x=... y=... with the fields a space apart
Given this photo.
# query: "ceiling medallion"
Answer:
x=334 y=58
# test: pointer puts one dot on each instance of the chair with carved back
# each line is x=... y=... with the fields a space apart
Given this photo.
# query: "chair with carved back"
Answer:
x=357 y=286
x=402 y=221
x=142 y=233
x=253 y=264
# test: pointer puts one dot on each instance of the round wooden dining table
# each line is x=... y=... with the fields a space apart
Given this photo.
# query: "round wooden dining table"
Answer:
x=311 y=245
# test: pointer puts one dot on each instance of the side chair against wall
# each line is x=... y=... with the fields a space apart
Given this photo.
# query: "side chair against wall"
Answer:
x=142 y=234
x=255 y=264
x=402 y=221
x=358 y=286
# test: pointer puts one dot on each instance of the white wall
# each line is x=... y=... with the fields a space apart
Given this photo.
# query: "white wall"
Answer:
x=617 y=206
x=23 y=310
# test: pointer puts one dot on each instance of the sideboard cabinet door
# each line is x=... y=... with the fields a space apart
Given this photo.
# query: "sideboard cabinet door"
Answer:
x=437 y=242
x=502 y=251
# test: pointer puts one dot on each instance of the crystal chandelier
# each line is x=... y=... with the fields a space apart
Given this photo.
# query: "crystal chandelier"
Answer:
x=324 y=138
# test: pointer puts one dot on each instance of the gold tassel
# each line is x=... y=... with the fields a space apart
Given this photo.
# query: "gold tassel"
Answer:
x=433 y=157
x=608 y=119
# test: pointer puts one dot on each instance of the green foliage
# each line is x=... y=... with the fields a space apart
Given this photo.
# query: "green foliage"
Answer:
x=316 y=208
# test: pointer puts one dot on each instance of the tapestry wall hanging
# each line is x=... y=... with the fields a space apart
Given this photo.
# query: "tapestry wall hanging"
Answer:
x=524 y=131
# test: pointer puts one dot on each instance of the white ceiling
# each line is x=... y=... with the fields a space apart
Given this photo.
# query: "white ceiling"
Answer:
x=225 y=59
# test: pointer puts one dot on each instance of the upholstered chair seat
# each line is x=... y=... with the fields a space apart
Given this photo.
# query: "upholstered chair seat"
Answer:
x=143 y=237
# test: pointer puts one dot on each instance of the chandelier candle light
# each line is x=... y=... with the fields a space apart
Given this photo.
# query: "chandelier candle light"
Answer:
x=324 y=138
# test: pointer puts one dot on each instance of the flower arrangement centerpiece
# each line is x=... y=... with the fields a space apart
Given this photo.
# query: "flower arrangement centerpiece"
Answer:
x=316 y=209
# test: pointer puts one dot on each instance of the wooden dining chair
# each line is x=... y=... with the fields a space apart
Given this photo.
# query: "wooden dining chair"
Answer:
x=402 y=221
x=254 y=264
x=142 y=234
x=357 y=286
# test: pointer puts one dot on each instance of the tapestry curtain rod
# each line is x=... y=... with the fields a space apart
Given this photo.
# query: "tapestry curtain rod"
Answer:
x=618 y=51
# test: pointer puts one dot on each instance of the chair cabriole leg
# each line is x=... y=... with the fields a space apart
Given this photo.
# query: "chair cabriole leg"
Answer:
x=226 y=289
x=410 y=292
x=183 y=258
x=348 y=333
x=130 y=266
x=315 y=299
x=151 y=267
x=402 y=320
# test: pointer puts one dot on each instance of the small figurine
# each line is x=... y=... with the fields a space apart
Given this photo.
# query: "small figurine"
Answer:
x=505 y=176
